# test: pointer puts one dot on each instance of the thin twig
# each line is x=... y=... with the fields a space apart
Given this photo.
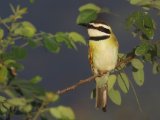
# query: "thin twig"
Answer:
x=91 y=78
x=81 y=82
x=135 y=94
x=37 y=114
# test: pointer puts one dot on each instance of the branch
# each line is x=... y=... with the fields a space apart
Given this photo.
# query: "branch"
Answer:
x=91 y=78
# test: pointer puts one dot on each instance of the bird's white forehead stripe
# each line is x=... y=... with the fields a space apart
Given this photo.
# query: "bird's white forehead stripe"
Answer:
x=100 y=25
x=95 y=32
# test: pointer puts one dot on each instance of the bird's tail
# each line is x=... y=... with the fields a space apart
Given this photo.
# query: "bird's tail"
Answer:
x=101 y=92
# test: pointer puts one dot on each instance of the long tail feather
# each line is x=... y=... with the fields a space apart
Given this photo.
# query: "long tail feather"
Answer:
x=101 y=92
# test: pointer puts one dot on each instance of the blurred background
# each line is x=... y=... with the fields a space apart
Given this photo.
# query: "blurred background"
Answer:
x=69 y=66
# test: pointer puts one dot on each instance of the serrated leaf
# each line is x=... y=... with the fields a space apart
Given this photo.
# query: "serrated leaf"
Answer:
x=115 y=96
x=1 y=33
x=111 y=81
x=123 y=82
x=25 y=29
x=136 y=63
x=142 y=49
x=76 y=37
x=86 y=16
x=138 y=76
x=3 y=74
x=90 y=6
x=62 y=113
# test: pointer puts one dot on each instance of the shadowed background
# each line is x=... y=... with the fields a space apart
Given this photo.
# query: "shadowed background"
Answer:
x=69 y=66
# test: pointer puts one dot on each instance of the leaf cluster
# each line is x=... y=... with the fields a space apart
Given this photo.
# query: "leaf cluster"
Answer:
x=21 y=96
x=143 y=27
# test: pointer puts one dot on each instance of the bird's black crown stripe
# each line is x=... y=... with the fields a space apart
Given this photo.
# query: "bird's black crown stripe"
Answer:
x=97 y=38
x=102 y=29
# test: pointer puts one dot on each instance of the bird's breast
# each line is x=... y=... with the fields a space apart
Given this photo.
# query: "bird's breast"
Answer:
x=104 y=54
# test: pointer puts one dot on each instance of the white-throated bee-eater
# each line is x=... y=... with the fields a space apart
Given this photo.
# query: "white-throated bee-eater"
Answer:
x=103 y=54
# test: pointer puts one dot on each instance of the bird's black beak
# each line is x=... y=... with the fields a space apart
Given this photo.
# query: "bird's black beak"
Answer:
x=84 y=24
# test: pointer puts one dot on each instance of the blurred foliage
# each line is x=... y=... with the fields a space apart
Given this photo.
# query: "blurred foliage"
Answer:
x=21 y=96
x=30 y=100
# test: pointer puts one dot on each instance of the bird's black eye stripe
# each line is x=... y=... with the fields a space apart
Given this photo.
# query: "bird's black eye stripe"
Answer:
x=97 y=38
x=102 y=29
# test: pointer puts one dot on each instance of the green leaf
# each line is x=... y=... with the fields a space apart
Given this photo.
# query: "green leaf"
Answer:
x=3 y=110
x=17 y=101
x=17 y=53
x=90 y=6
x=146 y=3
x=25 y=108
x=1 y=33
x=121 y=57
x=156 y=4
x=33 y=43
x=6 y=105
x=158 y=68
x=158 y=49
x=136 y=63
x=123 y=82
x=139 y=2
x=142 y=23
x=32 y=1
x=9 y=61
x=62 y=113
x=93 y=94
x=76 y=37
x=2 y=99
x=3 y=74
x=61 y=37
x=86 y=16
x=36 y=79
x=51 y=45
x=154 y=69
x=25 y=29
x=138 y=76
x=111 y=81
x=28 y=89
x=148 y=57
x=142 y=49
x=115 y=96
x=51 y=97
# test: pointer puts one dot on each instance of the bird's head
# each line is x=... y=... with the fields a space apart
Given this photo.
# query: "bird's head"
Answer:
x=97 y=29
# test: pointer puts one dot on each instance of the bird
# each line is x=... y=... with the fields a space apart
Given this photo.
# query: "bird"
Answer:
x=102 y=55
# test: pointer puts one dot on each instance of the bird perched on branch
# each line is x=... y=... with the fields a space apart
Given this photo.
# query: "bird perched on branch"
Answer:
x=103 y=54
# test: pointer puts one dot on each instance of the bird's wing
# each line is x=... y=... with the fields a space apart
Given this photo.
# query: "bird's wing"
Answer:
x=90 y=56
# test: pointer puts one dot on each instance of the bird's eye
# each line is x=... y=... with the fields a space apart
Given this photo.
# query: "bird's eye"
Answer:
x=105 y=30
